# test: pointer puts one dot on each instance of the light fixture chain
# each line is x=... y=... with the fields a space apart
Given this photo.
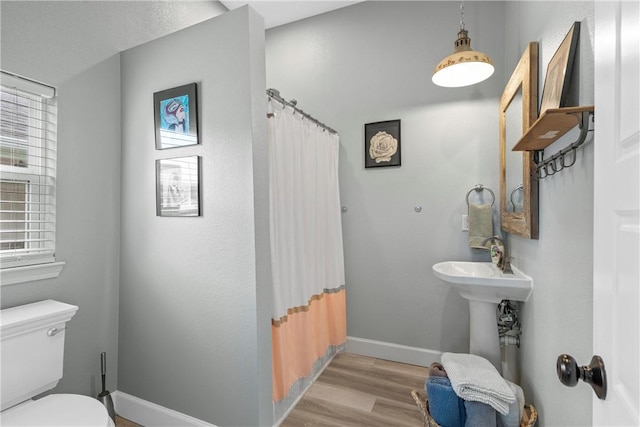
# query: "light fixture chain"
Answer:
x=462 y=15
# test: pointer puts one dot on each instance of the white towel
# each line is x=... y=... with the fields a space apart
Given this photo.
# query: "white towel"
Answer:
x=475 y=378
x=516 y=409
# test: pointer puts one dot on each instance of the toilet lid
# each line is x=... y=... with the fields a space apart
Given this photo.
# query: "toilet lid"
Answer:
x=58 y=410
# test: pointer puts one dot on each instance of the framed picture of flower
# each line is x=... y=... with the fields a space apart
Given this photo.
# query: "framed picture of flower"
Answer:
x=382 y=144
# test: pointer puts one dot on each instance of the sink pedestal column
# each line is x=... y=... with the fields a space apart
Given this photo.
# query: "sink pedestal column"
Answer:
x=483 y=332
x=484 y=286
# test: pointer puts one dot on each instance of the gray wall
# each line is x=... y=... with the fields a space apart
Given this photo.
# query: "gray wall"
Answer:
x=372 y=62
x=88 y=225
x=192 y=335
x=558 y=317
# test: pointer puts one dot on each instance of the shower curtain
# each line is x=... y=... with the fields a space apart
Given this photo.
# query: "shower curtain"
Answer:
x=308 y=321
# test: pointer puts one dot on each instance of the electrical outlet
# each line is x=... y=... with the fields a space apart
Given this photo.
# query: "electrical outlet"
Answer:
x=465 y=222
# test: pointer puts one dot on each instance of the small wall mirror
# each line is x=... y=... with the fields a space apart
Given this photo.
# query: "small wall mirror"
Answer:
x=518 y=184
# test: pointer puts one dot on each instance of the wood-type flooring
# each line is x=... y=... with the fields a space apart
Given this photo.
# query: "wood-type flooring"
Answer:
x=356 y=391
x=361 y=391
x=123 y=422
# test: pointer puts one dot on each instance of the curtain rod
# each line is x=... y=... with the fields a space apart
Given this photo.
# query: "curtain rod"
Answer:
x=275 y=94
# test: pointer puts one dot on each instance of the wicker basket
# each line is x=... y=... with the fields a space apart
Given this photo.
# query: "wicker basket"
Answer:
x=529 y=417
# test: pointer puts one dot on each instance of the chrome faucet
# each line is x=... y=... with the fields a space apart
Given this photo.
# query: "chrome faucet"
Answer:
x=504 y=261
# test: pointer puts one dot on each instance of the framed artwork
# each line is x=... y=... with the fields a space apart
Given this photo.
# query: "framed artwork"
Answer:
x=382 y=144
x=178 y=186
x=176 y=117
x=556 y=82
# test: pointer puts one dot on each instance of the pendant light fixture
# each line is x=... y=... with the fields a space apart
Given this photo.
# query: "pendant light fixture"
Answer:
x=464 y=67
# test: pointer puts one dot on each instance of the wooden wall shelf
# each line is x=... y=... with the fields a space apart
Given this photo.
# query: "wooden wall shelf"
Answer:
x=550 y=126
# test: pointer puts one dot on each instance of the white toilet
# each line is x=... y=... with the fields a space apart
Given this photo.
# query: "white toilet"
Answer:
x=32 y=359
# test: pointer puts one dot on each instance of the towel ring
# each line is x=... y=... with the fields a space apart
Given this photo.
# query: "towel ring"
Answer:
x=514 y=191
x=479 y=188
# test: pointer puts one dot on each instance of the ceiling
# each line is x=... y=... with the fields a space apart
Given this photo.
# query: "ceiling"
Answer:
x=277 y=13
x=51 y=41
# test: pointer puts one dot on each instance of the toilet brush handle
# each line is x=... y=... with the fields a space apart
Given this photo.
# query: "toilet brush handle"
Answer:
x=103 y=366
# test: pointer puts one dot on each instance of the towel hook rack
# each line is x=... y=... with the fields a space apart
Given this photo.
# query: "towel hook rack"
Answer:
x=479 y=188
x=558 y=162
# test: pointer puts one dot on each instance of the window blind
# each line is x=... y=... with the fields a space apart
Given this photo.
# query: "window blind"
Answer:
x=28 y=128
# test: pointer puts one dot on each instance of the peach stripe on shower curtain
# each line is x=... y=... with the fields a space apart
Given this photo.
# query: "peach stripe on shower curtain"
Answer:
x=304 y=337
x=309 y=312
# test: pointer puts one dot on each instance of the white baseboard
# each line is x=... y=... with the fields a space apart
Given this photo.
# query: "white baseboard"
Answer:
x=151 y=415
x=394 y=352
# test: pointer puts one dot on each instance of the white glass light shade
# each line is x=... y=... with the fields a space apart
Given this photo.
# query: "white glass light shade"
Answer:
x=463 y=70
x=463 y=67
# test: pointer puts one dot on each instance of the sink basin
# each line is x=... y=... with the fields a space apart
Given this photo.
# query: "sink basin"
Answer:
x=483 y=281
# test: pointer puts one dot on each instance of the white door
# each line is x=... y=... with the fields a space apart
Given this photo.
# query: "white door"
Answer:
x=616 y=331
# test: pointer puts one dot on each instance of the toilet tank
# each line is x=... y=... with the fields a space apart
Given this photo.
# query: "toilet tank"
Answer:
x=32 y=349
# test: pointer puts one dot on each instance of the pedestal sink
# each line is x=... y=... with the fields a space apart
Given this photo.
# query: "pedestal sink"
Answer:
x=484 y=286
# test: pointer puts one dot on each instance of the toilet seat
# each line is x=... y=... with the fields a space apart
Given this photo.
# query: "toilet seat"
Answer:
x=55 y=410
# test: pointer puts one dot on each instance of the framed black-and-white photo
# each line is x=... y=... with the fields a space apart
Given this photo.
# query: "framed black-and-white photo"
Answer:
x=176 y=117
x=558 y=77
x=382 y=144
x=178 y=186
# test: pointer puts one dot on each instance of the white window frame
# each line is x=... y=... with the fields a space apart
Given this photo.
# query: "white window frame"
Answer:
x=29 y=267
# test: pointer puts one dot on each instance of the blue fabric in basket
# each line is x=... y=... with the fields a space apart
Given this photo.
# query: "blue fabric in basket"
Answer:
x=480 y=414
x=445 y=407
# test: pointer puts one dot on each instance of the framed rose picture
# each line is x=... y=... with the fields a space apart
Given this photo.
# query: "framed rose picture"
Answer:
x=176 y=117
x=178 y=186
x=558 y=78
x=382 y=144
